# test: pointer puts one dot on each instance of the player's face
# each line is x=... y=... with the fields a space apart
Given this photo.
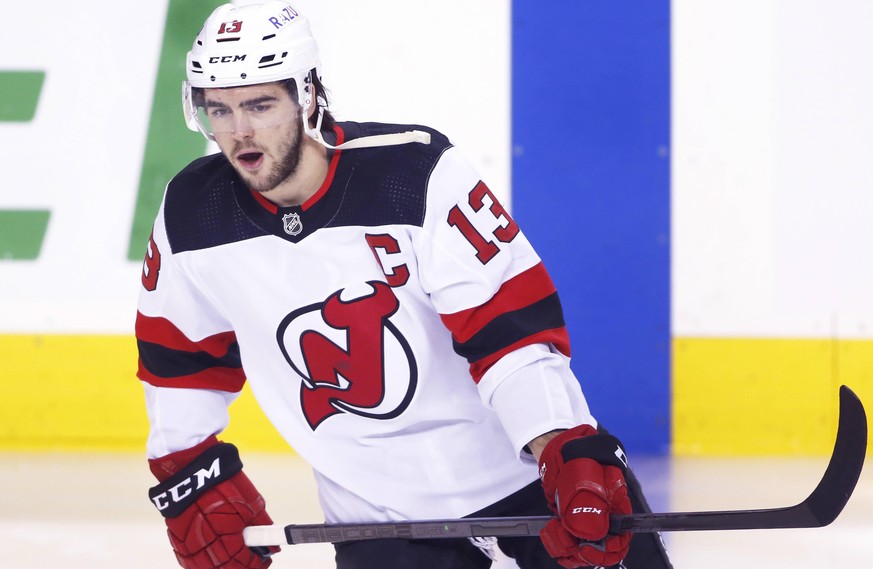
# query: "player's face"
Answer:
x=259 y=130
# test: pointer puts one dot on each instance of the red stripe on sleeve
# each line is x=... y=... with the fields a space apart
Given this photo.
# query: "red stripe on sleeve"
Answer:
x=521 y=290
x=161 y=331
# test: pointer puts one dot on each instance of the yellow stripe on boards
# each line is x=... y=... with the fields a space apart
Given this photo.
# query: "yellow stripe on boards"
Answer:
x=69 y=392
x=747 y=397
x=731 y=396
x=80 y=392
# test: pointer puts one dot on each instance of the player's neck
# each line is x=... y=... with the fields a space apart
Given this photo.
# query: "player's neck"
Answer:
x=306 y=179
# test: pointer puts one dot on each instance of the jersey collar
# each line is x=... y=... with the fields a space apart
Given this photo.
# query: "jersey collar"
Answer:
x=294 y=223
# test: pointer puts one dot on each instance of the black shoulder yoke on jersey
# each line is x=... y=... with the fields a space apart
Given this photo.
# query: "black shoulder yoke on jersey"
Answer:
x=207 y=204
x=201 y=210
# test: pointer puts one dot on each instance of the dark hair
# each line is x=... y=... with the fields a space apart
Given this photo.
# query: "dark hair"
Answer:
x=327 y=120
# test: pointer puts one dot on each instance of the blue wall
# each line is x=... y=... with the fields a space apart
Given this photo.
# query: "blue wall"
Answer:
x=591 y=189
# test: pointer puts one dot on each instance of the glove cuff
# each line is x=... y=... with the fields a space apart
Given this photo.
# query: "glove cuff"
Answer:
x=211 y=467
x=584 y=441
x=605 y=449
x=169 y=464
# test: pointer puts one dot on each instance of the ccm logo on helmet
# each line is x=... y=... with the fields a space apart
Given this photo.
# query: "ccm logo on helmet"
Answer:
x=586 y=511
x=183 y=489
x=227 y=58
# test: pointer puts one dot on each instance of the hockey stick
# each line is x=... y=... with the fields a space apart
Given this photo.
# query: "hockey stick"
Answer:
x=819 y=509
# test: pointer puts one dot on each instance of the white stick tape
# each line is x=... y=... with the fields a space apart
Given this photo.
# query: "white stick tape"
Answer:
x=255 y=536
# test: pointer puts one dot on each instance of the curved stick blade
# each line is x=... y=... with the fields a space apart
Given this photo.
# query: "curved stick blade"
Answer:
x=820 y=508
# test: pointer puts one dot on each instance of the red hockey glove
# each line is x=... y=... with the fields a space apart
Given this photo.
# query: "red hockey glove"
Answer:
x=206 y=501
x=583 y=477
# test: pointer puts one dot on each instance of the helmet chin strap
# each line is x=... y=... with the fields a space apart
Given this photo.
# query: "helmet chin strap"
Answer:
x=366 y=141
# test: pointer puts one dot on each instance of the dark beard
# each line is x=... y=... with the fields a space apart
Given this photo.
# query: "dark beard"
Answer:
x=285 y=167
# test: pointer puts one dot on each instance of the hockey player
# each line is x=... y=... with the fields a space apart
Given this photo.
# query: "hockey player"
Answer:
x=391 y=318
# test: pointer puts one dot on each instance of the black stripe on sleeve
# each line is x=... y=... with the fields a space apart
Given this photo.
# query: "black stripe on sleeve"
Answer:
x=511 y=327
x=165 y=362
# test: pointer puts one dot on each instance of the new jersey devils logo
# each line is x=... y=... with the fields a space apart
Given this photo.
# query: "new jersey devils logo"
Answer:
x=351 y=357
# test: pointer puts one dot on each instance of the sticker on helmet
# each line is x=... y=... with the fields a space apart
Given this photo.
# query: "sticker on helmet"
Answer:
x=286 y=16
x=233 y=27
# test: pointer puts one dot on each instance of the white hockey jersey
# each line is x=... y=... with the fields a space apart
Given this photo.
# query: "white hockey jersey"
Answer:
x=397 y=329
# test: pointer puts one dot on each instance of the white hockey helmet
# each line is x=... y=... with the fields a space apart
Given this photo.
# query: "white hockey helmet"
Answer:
x=248 y=45
x=263 y=43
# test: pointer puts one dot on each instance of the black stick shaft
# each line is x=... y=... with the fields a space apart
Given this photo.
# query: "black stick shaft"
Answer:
x=821 y=508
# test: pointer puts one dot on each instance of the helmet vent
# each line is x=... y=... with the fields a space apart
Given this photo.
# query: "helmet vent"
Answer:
x=222 y=40
x=269 y=37
x=270 y=60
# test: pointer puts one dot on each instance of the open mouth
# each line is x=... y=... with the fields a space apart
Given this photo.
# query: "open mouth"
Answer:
x=251 y=159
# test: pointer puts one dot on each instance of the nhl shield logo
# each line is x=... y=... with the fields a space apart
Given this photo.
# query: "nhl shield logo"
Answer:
x=292 y=223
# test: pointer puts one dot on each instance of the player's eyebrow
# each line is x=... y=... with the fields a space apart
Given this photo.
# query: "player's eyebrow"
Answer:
x=243 y=104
